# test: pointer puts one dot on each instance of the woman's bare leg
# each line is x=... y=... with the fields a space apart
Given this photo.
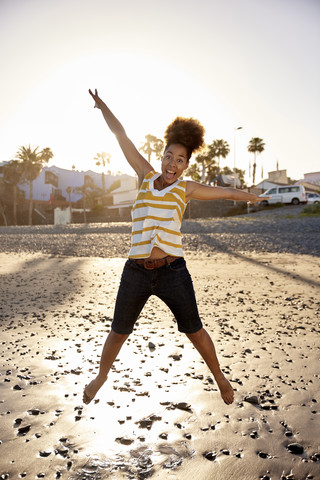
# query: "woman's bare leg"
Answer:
x=110 y=352
x=203 y=343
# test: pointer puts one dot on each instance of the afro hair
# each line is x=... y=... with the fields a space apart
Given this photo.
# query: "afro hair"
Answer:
x=188 y=132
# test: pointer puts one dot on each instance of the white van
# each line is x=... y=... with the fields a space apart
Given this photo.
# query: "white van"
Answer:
x=294 y=194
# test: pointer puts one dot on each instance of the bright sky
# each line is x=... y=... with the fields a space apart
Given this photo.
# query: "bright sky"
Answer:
x=230 y=63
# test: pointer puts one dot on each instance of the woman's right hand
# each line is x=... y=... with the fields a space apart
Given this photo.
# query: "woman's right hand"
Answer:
x=98 y=102
x=140 y=165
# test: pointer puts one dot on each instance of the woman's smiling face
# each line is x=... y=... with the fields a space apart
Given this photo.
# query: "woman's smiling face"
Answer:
x=174 y=162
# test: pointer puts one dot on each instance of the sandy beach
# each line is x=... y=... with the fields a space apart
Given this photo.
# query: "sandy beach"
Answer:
x=160 y=414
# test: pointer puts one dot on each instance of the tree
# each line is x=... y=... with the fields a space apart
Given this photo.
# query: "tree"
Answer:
x=33 y=162
x=46 y=155
x=211 y=171
x=206 y=158
x=202 y=160
x=256 y=145
x=239 y=173
x=218 y=149
x=90 y=196
x=69 y=190
x=83 y=191
x=205 y=167
x=103 y=159
x=12 y=175
x=193 y=172
x=152 y=145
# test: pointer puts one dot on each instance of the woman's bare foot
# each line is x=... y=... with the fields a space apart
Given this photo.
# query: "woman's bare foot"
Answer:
x=225 y=388
x=92 y=389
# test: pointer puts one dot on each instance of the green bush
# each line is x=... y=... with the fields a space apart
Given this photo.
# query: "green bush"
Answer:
x=272 y=206
x=311 y=210
x=98 y=208
x=238 y=209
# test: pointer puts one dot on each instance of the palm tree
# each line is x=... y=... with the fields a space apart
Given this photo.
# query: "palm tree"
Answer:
x=219 y=148
x=205 y=168
x=239 y=173
x=206 y=159
x=203 y=160
x=193 y=172
x=212 y=172
x=46 y=155
x=90 y=197
x=83 y=191
x=152 y=145
x=12 y=175
x=69 y=190
x=256 y=144
x=33 y=162
x=103 y=159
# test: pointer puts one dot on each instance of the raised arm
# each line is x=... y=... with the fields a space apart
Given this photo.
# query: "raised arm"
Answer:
x=140 y=165
x=198 y=191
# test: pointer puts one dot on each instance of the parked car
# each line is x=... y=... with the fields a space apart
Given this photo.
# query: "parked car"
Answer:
x=293 y=194
x=313 y=198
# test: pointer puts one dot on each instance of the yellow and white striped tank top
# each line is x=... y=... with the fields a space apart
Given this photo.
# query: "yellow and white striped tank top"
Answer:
x=156 y=218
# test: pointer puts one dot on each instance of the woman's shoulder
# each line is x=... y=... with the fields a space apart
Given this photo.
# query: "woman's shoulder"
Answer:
x=144 y=182
x=191 y=185
x=150 y=174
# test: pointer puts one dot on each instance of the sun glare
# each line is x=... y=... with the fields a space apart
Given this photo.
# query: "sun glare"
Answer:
x=145 y=93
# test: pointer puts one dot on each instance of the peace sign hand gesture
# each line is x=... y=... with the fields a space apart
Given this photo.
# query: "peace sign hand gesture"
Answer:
x=98 y=102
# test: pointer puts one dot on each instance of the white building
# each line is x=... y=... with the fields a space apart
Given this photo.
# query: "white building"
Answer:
x=275 y=178
x=126 y=193
x=50 y=191
x=55 y=181
x=311 y=181
x=313 y=177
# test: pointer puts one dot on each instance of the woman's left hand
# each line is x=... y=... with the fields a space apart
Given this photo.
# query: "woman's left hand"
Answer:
x=257 y=200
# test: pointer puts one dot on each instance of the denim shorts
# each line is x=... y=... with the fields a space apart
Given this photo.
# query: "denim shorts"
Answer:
x=171 y=283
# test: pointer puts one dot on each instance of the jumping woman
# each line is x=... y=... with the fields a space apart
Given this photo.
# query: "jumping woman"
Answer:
x=156 y=265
